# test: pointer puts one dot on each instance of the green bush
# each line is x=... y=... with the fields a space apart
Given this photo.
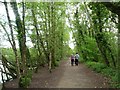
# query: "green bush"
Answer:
x=115 y=78
x=56 y=63
x=89 y=64
x=29 y=74
x=96 y=66
x=81 y=60
x=25 y=79
x=114 y=82
x=109 y=72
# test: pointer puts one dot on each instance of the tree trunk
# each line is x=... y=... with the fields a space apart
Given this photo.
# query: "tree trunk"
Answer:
x=53 y=35
x=21 y=36
x=24 y=47
x=39 y=35
x=50 y=63
x=118 y=60
x=99 y=36
x=13 y=44
x=3 y=83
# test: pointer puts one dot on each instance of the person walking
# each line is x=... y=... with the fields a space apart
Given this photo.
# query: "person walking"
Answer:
x=76 y=59
x=72 y=60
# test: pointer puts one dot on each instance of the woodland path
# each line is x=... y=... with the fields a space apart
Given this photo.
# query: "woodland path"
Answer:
x=67 y=76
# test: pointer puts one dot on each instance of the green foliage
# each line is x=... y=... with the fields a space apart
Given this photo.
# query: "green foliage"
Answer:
x=29 y=74
x=91 y=49
x=34 y=56
x=57 y=63
x=90 y=23
x=113 y=75
x=81 y=60
x=8 y=53
x=98 y=67
x=114 y=81
x=25 y=80
x=109 y=72
x=67 y=51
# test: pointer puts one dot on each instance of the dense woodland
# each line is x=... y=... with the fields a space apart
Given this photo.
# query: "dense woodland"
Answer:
x=95 y=29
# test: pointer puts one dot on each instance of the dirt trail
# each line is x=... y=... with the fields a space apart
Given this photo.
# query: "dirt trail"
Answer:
x=67 y=76
x=81 y=77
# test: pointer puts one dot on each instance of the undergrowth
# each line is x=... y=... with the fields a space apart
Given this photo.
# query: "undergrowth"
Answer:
x=107 y=71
